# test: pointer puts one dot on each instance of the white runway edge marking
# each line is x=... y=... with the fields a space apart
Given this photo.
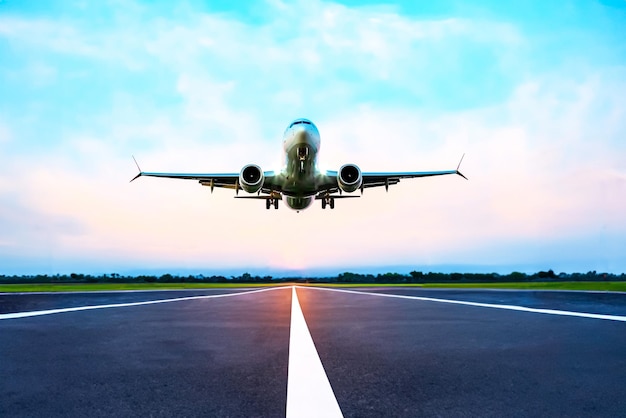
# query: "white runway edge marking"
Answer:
x=484 y=305
x=16 y=315
x=309 y=393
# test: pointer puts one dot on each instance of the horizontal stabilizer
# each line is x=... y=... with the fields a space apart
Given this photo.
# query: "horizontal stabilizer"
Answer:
x=259 y=197
x=340 y=196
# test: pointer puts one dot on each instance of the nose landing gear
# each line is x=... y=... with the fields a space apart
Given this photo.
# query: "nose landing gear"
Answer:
x=328 y=200
x=303 y=154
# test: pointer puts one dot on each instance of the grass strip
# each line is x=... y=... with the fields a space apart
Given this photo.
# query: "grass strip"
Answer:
x=587 y=286
x=99 y=287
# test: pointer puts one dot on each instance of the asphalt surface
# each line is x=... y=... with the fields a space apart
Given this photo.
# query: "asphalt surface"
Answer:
x=383 y=356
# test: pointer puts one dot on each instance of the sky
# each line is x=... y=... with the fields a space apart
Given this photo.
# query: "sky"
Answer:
x=534 y=94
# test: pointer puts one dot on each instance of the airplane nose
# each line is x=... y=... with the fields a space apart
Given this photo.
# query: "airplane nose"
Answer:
x=300 y=134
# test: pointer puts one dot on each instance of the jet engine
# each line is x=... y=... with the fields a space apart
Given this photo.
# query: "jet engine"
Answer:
x=349 y=178
x=251 y=178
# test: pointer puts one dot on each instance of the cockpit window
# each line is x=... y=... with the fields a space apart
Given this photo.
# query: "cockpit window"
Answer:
x=306 y=122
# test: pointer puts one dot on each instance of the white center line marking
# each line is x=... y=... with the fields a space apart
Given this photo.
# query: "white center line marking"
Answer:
x=16 y=315
x=309 y=393
x=484 y=305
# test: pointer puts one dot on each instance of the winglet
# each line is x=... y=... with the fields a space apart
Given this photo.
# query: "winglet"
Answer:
x=459 y=166
x=138 y=168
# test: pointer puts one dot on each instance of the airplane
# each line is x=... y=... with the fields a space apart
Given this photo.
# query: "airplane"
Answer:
x=300 y=182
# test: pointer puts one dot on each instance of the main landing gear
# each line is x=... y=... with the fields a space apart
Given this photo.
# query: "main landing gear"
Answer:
x=330 y=201
x=270 y=202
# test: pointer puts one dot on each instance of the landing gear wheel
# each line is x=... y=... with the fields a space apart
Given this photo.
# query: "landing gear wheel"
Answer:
x=323 y=203
x=267 y=203
x=275 y=203
x=332 y=203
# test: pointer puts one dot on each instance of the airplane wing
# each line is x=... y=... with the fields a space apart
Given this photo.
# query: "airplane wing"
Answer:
x=376 y=179
x=389 y=178
x=225 y=180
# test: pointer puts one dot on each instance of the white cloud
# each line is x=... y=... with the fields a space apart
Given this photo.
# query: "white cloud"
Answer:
x=306 y=42
x=5 y=132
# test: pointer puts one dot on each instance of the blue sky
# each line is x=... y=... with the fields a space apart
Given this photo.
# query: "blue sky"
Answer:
x=534 y=94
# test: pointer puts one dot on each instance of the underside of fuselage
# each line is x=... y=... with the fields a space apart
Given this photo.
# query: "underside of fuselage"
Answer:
x=299 y=182
x=298 y=203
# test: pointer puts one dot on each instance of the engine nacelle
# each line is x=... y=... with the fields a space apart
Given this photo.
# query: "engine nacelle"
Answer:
x=251 y=178
x=349 y=178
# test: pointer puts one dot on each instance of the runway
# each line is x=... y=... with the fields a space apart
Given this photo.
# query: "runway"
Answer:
x=359 y=353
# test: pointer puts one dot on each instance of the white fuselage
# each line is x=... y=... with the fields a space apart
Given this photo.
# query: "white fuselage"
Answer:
x=301 y=143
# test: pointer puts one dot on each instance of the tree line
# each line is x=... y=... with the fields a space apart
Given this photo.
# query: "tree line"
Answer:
x=348 y=277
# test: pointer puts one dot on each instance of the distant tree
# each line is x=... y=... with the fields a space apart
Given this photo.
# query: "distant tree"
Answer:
x=391 y=278
x=416 y=276
x=167 y=278
x=546 y=274
x=347 y=277
x=436 y=277
x=245 y=278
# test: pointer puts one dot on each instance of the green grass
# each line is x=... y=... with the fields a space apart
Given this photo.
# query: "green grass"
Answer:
x=596 y=286
x=93 y=287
